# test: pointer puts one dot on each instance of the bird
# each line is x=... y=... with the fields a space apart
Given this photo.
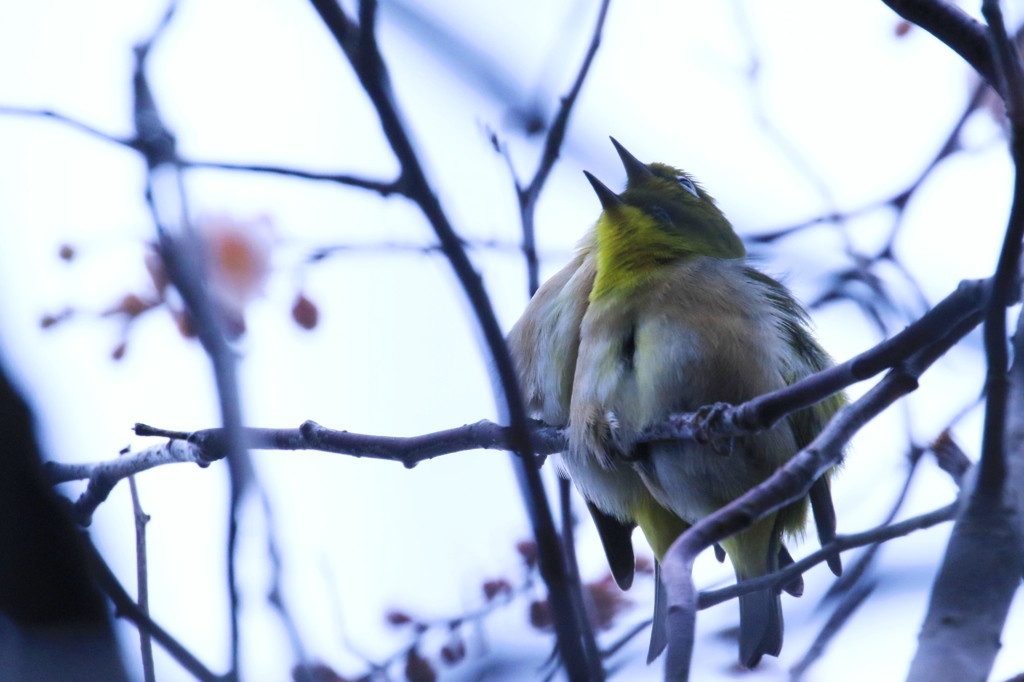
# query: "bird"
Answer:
x=660 y=312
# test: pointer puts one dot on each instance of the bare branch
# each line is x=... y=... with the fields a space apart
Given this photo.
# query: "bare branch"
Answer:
x=142 y=574
x=183 y=257
x=379 y=186
x=842 y=543
x=950 y=24
x=67 y=120
x=529 y=195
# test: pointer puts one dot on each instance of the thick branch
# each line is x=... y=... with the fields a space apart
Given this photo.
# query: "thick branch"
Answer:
x=103 y=476
x=992 y=469
x=962 y=306
x=950 y=24
x=983 y=563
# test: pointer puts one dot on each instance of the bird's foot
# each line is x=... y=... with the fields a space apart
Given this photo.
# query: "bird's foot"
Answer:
x=709 y=418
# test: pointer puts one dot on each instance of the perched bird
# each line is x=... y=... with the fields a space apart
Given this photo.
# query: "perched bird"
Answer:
x=658 y=313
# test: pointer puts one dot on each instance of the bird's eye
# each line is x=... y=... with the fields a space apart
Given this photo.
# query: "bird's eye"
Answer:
x=687 y=184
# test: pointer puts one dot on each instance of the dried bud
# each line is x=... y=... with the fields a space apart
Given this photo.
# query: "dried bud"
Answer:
x=119 y=350
x=186 y=325
x=902 y=28
x=47 y=321
x=305 y=312
x=316 y=672
x=492 y=588
x=418 y=669
x=950 y=457
x=541 y=616
x=454 y=651
x=608 y=601
x=528 y=551
x=131 y=306
x=238 y=257
x=66 y=252
x=157 y=273
x=397 y=618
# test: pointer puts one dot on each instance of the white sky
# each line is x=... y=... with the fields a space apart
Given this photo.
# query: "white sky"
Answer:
x=396 y=352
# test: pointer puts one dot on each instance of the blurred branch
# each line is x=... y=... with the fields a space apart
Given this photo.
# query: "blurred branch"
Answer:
x=54 y=622
x=853 y=574
x=529 y=195
x=67 y=120
x=184 y=259
x=127 y=608
x=142 y=573
x=324 y=252
x=835 y=623
x=359 y=44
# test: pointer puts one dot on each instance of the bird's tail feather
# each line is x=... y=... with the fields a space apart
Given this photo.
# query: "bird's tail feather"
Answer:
x=760 y=626
x=659 y=626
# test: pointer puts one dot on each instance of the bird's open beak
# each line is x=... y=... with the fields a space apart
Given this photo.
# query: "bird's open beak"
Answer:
x=609 y=199
x=635 y=168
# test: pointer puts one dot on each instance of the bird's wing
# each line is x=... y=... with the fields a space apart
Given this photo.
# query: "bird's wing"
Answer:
x=808 y=357
x=617 y=540
x=545 y=341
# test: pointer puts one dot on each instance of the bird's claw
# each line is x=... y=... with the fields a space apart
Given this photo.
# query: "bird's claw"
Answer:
x=709 y=417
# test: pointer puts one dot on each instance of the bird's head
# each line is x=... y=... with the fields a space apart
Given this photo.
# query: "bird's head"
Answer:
x=662 y=217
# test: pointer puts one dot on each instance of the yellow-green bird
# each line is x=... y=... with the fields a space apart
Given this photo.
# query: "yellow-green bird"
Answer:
x=658 y=313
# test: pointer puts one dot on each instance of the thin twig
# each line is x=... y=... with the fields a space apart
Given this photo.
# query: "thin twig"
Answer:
x=381 y=187
x=142 y=573
x=127 y=608
x=851 y=602
x=842 y=543
x=67 y=120
x=529 y=195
